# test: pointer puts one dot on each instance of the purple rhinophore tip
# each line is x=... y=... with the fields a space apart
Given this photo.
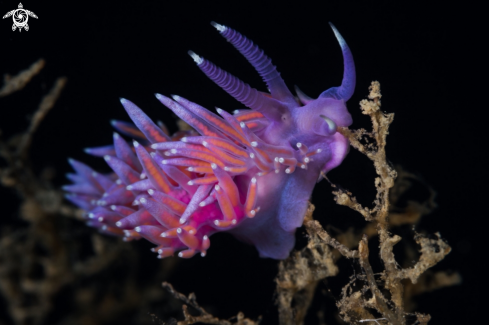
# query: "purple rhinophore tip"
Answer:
x=259 y=61
x=241 y=91
x=345 y=91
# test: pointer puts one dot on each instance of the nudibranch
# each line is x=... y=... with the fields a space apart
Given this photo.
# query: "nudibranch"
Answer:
x=249 y=173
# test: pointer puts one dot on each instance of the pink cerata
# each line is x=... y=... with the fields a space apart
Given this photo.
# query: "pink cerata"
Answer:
x=249 y=173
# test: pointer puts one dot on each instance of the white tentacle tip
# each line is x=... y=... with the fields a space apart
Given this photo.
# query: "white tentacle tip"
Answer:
x=219 y=27
x=197 y=59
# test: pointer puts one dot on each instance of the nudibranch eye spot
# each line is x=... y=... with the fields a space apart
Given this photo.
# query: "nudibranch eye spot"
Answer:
x=249 y=173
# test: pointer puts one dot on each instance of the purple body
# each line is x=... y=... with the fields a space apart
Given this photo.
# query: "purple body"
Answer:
x=250 y=173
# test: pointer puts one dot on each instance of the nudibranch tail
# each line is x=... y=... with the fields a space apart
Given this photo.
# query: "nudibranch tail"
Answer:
x=249 y=173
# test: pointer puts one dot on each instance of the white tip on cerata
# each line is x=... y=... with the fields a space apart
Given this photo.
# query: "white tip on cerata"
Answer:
x=164 y=162
x=135 y=144
x=202 y=254
x=123 y=100
x=100 y=219
x=152 y=154
x=142 y=200
x=118 y=223
x=197 y=59
x=129 y=187
x=180 y=254
x=254 y=144
x=182 y=221
x=163 y=235
x=113 y=207
x=142 y=176
x=179 y=230
x=175 y=97
x=205 y=237
x=184 y=139
x=118 y=182
x=213 y=166
x=236 y=111
x=216 y=222
x=242 y=124
x=190 y=183
x=154 y=146
x=151 y=191
x=107 y=157
x=252 y=155
x=217 y=188
x=204 y=143
x=137 y=229
x=202 y=204
x=234 y=221
x=253 y=180
x=218 y=110
x=299 y=144
x=287 y=171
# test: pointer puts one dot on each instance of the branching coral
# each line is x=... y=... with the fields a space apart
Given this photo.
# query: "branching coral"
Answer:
x=385 y=295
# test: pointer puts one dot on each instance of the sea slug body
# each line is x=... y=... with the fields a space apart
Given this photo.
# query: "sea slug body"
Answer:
x=250 y=173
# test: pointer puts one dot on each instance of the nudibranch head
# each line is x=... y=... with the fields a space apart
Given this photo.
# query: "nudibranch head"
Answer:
x=250 y=173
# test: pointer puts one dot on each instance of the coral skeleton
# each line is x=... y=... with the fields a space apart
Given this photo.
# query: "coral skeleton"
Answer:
x=250 y=174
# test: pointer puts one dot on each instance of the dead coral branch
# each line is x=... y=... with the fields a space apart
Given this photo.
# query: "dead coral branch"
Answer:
x=204 y=316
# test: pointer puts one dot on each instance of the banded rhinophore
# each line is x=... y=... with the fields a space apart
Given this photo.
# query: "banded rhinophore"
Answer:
x=249 y=173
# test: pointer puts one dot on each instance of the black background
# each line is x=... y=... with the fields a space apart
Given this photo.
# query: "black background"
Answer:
x=426 y=57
